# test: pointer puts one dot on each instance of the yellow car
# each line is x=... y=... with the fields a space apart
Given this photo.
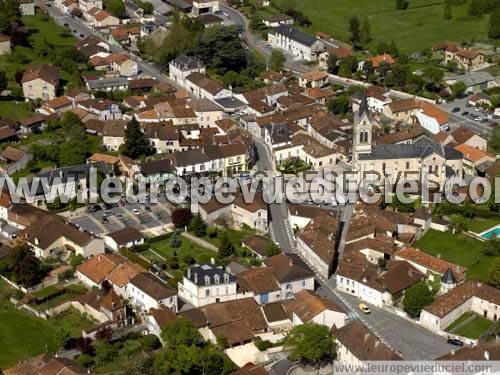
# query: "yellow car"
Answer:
x=365 y=309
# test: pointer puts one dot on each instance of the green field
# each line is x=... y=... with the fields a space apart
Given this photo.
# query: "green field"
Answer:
x=413 y=29
x=463 y=250
x=22 y=335
x=41 y=29
x=15 y=110
x=473 y=329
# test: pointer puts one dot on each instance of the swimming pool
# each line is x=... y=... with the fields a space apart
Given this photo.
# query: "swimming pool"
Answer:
x=491 y=233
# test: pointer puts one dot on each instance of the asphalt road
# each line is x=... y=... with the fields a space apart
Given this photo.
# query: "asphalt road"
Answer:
x=78 y=28
x=279 y=212
x=409 y=339
x=256 y=42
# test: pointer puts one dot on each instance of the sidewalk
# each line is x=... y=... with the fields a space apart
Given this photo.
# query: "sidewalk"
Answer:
x=200 y=242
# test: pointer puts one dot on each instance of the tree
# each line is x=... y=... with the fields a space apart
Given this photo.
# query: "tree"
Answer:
x=458 y=89
x=459 y=224
x=147 y=7
x=492 y=247
x=9 y=12
x=226 y=248
x=477 y=8
x=494 y=143
x=494 y=274
x=180 y=39
x=221 y=48
x=402 y=4
x=3 y=80
x=333 y=64
x=272 y=249
x=180 y=332
x=494 y=24
x=365 y=33
x=63 y=338
x=178 y=360
x=116 y=7
x=417 y=297
x=310 y=343
x=104 y=352
x=136 y=143
x=355 y=31
x=181 y=217
x=339 y=105
x=198 y=226
x=175 y=242
x=276 y=60
x=255 y=21
x=22 y=267
x=434 y=77
x=447 y=12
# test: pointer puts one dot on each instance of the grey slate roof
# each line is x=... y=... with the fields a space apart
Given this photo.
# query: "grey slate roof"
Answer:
x=207 y=274
x=103 y=83
x=296 y=35
x=186 y=63
x=229 y=103
x=474 y=78
x=149 y=168
x=190 y=157
x=419 y=149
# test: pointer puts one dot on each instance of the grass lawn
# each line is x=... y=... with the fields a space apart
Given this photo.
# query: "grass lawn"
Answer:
x=424 y=19
x=15 y=110
x=480 y=225
x=236 y=237
x=200 y=254
x=475 y=328
x=23 y=336
x=73 y=322
x=43 y=27
x=71 y=292
x=460 y=320
x=458 y=249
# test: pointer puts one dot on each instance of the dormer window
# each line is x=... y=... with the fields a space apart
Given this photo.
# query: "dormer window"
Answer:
x=217 y=279
x=207 y=280
x=226 y=278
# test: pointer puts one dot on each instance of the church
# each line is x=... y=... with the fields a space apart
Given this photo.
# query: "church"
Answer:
x=422 y=160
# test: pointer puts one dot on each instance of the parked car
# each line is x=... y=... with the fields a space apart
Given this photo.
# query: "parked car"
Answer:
x=465 y=113
x=455 y=110
x=455 y=342
x=364 y=309
x=135 y=211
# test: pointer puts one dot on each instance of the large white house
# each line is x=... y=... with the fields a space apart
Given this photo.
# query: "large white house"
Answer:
x=146 y=291
x=207 y=284
x=298 y=43
x=182 y=66
x=471 y=296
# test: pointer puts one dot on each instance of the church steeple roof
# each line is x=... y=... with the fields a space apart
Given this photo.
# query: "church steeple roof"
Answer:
x=363 y=107
x=448 y=277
